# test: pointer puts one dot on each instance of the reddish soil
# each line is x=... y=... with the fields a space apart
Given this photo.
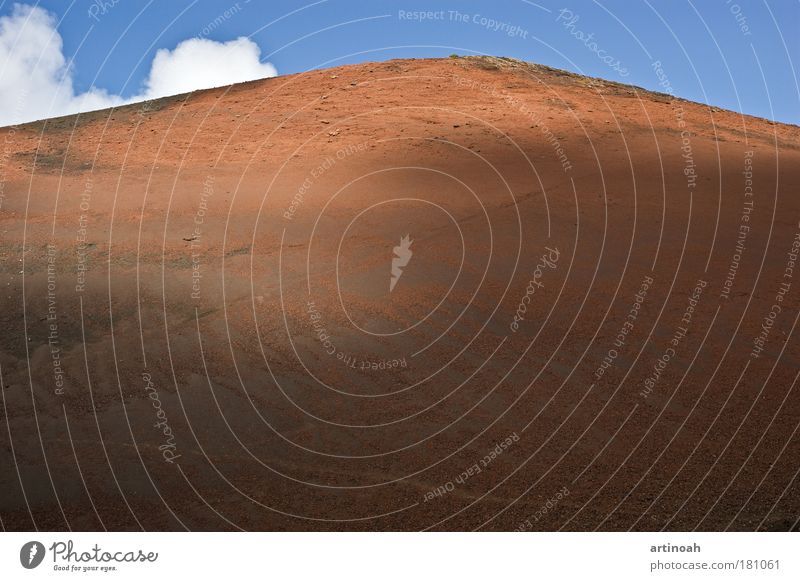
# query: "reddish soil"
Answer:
x=225 y=257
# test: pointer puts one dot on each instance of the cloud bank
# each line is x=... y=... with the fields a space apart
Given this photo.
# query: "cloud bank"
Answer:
x=36 y=81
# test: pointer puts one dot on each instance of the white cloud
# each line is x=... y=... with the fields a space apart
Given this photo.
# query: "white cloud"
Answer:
x=36 y=81
x=206 y=63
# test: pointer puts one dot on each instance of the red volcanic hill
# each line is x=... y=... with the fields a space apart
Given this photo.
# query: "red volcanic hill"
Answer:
x=449 y=294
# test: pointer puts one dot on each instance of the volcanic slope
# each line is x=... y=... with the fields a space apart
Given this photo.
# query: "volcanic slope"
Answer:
x=450 y=294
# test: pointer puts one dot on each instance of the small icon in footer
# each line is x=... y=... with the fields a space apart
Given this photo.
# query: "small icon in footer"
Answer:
x=31 y=554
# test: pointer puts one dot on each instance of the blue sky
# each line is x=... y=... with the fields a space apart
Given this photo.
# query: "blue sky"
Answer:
x=737 y=55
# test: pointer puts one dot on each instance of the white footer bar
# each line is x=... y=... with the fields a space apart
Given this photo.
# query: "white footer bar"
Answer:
x=389 y=556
